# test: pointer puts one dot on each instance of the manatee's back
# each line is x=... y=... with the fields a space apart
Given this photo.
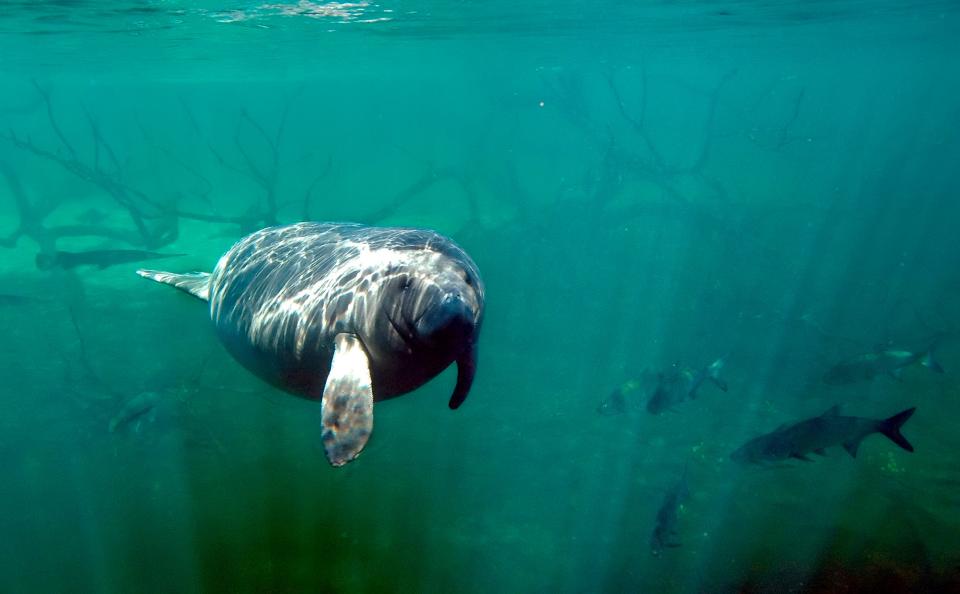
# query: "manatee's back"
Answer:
x=280 y=296
x=267 y=297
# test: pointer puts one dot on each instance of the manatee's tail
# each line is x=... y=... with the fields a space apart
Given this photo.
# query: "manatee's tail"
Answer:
x=195 y=283
x=891 y=428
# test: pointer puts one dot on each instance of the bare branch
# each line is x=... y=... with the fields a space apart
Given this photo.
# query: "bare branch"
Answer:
x=308 y=197
x=785 y=137
x=53 y=121
x=708 y=131
x=100 y=141
x=638 y=123
x=424 y=182
x=125 y=196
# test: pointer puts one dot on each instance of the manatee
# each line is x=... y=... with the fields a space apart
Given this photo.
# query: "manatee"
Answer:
x=345 y=314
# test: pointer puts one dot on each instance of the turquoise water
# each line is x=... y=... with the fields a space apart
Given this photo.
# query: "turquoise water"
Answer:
x=642 y=185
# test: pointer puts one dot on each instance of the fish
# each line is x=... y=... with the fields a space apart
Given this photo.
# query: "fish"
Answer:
x=619 y=401
x=628 y=395
x=881 y=362
x=14 y=300
x=135 y=410
x=666 y=528
x=92 y=216
x=614 y=404
x=813 y=436
x=99 y=258
x=679 y=384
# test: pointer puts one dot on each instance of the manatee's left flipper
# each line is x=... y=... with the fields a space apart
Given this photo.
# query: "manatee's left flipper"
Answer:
x=347 y=405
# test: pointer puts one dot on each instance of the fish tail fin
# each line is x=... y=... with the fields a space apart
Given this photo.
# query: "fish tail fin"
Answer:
x=195 y=283
x=891 y=428
x=928 y=360
x=713 y=373
x=930 y=363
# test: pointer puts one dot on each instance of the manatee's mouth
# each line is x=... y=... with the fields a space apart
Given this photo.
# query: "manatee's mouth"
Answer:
x=402 y=331
x=447 y=326
x=446 y=323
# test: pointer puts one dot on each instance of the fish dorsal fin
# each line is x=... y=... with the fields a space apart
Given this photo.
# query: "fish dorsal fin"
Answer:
x=347 y=406
x=833 y=411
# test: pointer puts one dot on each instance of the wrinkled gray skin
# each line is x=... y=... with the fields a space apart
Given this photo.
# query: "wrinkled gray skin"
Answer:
x=280 y=297
x=413 y=298
x=344 y=314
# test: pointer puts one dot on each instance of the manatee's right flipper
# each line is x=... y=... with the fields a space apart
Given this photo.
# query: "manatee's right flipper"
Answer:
x=195 y=283
x=347 y=405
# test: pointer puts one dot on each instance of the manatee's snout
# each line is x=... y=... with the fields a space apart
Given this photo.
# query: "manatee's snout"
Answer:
x=446 y=323
x=448 y=326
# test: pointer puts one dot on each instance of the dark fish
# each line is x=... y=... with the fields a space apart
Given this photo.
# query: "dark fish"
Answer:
x=620 y=400
x=136 y=410
x=10 y=300
x=666 y=529
x=99 y=258
x=679 y=384
x=614 y=404
x=813 y=436
x=92 y=216
x=888 y=362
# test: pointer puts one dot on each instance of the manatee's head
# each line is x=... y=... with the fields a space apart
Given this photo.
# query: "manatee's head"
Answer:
x=437 y=313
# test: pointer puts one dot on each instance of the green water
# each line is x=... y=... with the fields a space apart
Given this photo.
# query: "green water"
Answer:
x=640 y=184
